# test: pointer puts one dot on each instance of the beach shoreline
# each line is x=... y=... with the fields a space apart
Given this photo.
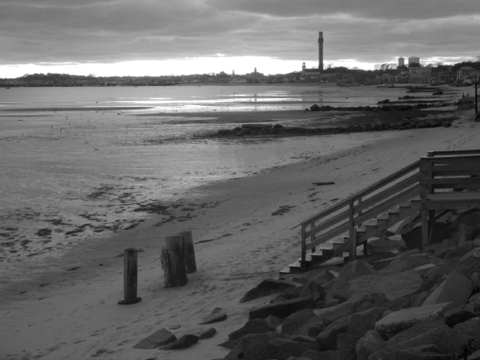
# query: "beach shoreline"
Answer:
x=242 y=234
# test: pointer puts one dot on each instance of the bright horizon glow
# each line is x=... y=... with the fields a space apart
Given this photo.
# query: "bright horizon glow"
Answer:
x=189 y=66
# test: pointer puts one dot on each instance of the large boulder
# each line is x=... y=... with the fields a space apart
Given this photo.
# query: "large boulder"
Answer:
x=330 y=314
x=313 y=289
x=370 y=343
x=337 y=292
x=393 y=285
x=361 y=322
x=282 y=349
x=296 y=320
x=217 y=315
x=319 y=355
x=282 y=308
x=432 y=336
x=461 y=335
x=355 y=325
x=416 y=330
x=423 y=352
x=327 y=339
x=265 y=288
x=459 y=250
x=355 y=269
x=346 y=347
x=158 y=338
x=182 y=342
x=456 y=288
x=312 y=328
x=255 y=326
x=404 y=263
x=469 y=263
x=255 y=345
x=403 y=319
x=465 y=233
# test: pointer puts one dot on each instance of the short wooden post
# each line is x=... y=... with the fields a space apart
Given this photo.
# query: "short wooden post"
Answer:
x=190 y=262
x=173 y=262
x=130 y=277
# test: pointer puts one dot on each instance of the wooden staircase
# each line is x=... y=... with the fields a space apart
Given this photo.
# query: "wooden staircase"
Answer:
x=340 y=229
x=340 y=246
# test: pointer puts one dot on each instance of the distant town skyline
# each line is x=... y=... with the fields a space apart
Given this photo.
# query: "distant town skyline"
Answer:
x=182 y=37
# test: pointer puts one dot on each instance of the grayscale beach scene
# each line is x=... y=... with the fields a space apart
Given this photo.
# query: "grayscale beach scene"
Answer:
x=239 y=180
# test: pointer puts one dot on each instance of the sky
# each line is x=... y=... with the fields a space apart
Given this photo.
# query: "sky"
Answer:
x=181 y=37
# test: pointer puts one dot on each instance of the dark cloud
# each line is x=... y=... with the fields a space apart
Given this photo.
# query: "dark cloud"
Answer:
x=401 y=9
x=116 y=30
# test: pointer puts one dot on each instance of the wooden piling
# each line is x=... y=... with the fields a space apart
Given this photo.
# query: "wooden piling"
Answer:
x=130 y=277
x=190 y=262
x=173 y=262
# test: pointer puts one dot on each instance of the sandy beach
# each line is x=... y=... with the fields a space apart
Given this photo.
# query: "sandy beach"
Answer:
x=242 y=234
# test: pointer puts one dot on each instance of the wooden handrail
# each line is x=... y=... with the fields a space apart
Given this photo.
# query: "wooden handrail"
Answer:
x=454 y=152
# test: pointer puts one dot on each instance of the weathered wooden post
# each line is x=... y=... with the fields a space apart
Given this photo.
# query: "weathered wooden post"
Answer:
x=173 y=262
x=130 y=277
x=190 y=262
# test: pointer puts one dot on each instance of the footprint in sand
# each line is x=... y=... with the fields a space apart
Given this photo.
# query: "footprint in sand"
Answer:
x=283 y=210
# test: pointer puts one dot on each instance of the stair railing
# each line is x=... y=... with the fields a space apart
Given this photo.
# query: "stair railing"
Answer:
x=350 y=214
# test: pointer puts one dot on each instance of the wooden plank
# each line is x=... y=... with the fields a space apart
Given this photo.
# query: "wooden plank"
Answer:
x=455 y=171
x=446 y=183
x=450 y=159
x=382 y=196
x=328 y=223
x=387 y=205
x=454 y=152
x=455 y=196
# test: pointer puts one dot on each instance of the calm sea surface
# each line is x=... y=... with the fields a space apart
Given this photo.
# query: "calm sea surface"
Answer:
x=80 y=163
x=197 y=98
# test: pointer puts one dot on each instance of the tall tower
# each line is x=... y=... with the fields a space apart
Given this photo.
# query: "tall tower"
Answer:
x=320 y=51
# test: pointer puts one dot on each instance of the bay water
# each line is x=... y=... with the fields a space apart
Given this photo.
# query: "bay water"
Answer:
x=77 y=164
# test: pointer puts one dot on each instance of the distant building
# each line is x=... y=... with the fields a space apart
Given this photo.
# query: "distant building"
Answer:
x=308 y=74
x=419 y=74
x=413 y=61
x=401 y=61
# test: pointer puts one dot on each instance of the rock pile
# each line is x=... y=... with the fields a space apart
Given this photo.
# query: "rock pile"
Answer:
x=280 y=130
x=411 y=305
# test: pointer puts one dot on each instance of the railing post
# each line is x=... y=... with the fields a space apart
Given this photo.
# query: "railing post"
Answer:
x=360 y=213
x=352 y=232
x=303 y=249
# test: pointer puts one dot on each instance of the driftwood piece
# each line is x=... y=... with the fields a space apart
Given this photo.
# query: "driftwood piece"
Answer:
x=173 y=262
x=190 y=262
x=324 y=183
